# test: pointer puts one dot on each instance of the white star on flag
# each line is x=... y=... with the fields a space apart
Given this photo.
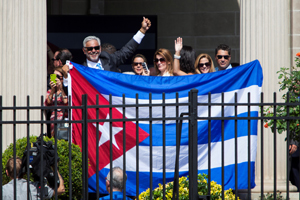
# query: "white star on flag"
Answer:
x=104 y=129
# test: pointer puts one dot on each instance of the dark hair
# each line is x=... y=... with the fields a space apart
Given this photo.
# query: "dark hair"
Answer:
x=187 y=59
x=109 y=48
x=223 y=47
x=139 y=56
x=64 y=55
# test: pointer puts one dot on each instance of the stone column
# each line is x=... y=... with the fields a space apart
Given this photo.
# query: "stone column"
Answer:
x=22 y=61
x=264 y=35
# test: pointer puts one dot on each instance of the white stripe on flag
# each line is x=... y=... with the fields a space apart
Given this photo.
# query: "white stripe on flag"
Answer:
x=229 y=97
x=216 y=155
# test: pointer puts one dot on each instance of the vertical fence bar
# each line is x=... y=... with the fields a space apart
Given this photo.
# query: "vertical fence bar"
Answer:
x=164 y=145
x=151 y=147
x=42 y=153
x=178 y=138
x=223 y=148
x=275 y=151
x=236 y=145
x=137 y=145
x=14 y=147
x=249 y=148
x=110 y=148
x=124 y=146
x=193 y=145
x=97 y=147
x=262 y=147
x=85 y=147
x=70 y=150
x=1 y=178
x=28 y=147
x=287 y=148
x=209 y=144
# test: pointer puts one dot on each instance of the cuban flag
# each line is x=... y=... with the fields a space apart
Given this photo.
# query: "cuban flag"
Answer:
x=240 y=80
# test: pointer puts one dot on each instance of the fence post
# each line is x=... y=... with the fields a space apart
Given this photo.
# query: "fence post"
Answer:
x=84 y=146
x=193 y=145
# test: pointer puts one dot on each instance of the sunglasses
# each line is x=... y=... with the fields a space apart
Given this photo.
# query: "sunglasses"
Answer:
x=137 y=63
x=161 y=60
x=59 y=77
x=220 y=57
x=91 y=48
x=202 y=64
x=53 y=59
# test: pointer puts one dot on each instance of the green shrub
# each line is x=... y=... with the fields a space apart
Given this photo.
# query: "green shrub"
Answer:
x=216 y=190
x=63 y=154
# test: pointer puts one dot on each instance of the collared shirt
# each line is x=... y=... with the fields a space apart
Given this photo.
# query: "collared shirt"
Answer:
x=137 y=37
x=93 y=64
x=21 y=186
x=228 y=67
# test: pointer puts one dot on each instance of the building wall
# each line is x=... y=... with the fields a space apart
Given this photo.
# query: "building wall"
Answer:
x=295 y=29
x=203 y=24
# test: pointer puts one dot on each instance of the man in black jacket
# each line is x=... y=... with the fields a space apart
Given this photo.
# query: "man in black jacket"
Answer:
x=95 y=58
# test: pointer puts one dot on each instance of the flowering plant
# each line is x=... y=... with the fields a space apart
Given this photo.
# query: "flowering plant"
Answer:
x=291 y=83
x=216 y=190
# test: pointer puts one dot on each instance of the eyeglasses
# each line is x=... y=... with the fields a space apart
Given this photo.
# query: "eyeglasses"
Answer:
x=161 y=60
x=202 y=64
x=59 y=77
x=220 y=57
x=53 y=59
x=91 y=48
x=137 y=63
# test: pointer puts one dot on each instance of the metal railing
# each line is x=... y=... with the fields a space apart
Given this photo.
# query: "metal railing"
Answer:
x=190 y=116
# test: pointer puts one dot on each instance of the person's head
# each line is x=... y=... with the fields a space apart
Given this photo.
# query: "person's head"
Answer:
x=63 y=56
x=223 y=56
x=91 y=48
x=60 y=73
x=137 y=61
x=204 y=64
x=117 y=180
x=10 y=167
x=163 y=61
x=55 y=59
x=187 y=59
x=109 y=48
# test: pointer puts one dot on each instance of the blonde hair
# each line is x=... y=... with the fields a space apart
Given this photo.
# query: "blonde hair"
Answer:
x=204 y=55
x=166 y=54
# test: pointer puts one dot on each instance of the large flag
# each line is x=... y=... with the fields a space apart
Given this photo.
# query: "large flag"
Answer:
x=241 y=80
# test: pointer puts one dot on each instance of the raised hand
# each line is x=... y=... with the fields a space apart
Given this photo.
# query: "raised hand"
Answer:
x=178 y=44
x=146 y=24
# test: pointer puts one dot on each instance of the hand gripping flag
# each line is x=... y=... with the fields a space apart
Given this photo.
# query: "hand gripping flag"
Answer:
x=240 y=80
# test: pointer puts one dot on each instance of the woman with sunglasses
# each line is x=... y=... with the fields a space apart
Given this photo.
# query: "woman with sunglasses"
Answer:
x=137 y=65
x=203 y=64
x=163 y=62
x=57 y=92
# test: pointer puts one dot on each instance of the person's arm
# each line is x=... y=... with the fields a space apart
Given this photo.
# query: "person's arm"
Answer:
x=61 y=187
x=49 y=96
x=176 y=68
x=120 y=56
x=64 y=95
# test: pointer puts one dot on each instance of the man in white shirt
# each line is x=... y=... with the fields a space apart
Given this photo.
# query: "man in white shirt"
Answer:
x=95 y=58
x=223 y=57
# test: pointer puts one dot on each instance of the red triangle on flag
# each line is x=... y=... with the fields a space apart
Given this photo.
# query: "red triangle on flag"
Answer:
x=82 y=86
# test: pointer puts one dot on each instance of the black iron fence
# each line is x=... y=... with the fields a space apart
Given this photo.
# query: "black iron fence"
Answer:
x=184 y=113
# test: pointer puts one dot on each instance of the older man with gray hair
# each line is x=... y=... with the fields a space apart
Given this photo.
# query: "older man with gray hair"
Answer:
x=116 y=183
x=97 y=59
